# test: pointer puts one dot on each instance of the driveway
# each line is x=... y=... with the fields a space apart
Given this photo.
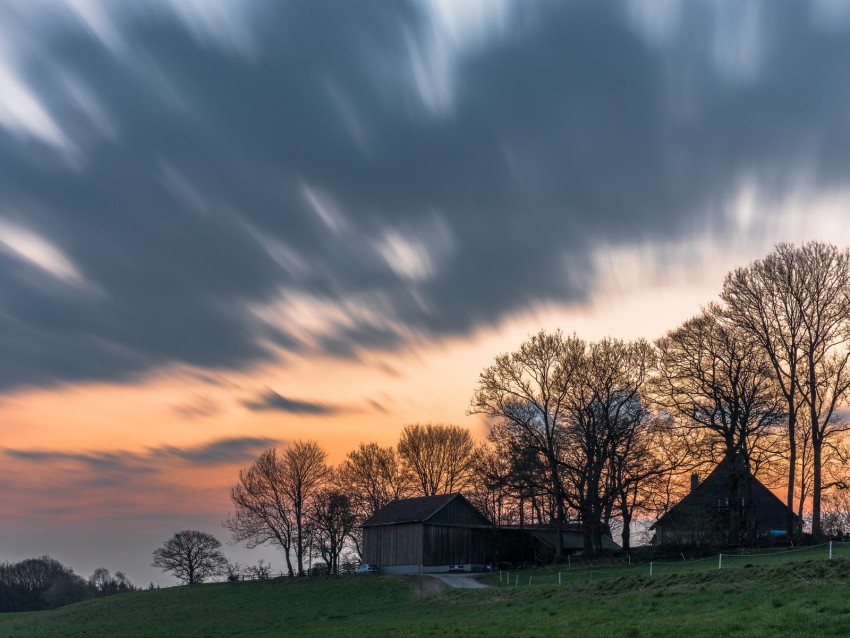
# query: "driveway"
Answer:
x=460 y=581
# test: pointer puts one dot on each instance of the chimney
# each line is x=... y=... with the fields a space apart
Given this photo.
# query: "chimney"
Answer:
x=694 y=481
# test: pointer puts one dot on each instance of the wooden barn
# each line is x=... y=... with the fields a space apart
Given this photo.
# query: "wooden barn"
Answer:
x=729 y=507
x=428 y=534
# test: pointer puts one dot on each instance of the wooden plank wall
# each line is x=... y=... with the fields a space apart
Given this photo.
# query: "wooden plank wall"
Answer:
x=451 y=545
x=393 y=544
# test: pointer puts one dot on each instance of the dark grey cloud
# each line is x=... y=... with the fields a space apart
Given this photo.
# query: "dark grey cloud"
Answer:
x=208 y=179
x=230 y=450
x=271 y=400
x=124 y=463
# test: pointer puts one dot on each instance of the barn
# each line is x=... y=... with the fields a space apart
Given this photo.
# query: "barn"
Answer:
x=428 y=534
x=703 y=516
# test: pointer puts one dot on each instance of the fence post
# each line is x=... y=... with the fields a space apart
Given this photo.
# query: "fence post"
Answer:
x=830 y=550
x=650 y=568
x=516 y=584
x=529 y=581
x=720 y=561
x=569 y=562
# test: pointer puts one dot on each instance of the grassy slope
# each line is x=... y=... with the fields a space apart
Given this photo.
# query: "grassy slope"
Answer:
x=803 y=599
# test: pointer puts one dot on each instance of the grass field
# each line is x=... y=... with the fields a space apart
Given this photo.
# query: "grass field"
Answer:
x=804 y=597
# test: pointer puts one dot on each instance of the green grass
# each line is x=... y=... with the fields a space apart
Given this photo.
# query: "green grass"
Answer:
x=563 y=574
x=803 y=598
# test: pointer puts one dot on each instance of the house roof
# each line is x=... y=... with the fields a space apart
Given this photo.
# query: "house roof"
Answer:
x=770 y=510
x=417 y=510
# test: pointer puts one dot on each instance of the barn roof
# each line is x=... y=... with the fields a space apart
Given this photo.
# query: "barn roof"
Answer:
x=417 y=510
x=572 y=539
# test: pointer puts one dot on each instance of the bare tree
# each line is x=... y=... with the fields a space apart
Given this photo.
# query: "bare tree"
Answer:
x=493 y=488
x=371 y=476
x=795 y=302
x=761 y=299
x=334 y=519
x=438 y=457
x=836 y=516
x=715 y=379
x=304 y=473
x=527 y=392
x=606 y=452
x=191 y=556
x=263 y=513
x=640 y=463
x=826 y=379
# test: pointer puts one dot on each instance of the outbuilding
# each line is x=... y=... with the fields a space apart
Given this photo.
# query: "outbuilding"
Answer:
x=428 y=534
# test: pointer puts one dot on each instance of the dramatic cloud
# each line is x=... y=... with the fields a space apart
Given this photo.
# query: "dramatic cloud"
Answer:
x=177 y=178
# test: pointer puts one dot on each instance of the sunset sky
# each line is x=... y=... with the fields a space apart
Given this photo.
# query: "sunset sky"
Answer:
x=228 y=225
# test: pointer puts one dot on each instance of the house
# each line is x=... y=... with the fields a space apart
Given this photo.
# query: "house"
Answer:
x=729 y=507
x=427 y=534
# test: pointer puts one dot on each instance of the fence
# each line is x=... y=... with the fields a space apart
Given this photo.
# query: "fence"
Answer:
x=564 y=574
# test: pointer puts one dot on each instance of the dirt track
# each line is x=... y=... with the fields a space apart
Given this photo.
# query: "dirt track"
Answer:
x=460 y=581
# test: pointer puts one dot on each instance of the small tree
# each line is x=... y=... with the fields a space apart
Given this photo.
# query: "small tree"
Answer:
x=333 y=518
x=191 y=556
x=261 y=571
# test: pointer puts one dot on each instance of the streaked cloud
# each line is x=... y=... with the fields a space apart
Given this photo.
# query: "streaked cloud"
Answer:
x=127 y=463
x=251 y=182
x=38 y=251
x=271 y=400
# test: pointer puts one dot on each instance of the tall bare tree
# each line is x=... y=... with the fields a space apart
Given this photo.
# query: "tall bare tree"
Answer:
x=714 y=377
x=304 y=473
x=826 y=270
x=438 y=457
x=762 y=299
x=273 y=496
x=526 y=393
x=795 y=302
x=608 y=434
x=263 y=513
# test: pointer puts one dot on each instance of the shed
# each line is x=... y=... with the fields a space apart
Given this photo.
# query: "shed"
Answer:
x=427 y=534
x=538 y=543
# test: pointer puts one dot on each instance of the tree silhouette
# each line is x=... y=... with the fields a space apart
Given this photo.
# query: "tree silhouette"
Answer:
x=191 y=556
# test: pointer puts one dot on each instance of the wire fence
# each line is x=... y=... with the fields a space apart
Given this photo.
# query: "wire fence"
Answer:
x=565 y=574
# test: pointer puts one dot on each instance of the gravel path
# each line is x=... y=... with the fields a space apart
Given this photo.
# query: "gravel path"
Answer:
x=460 y=581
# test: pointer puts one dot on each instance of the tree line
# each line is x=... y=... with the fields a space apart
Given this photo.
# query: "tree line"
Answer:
x=41 y=583
x=598 y=433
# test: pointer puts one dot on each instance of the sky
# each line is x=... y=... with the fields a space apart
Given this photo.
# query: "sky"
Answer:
x=225 y=226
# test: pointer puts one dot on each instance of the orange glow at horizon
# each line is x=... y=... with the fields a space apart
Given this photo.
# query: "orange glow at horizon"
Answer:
x=111 y=453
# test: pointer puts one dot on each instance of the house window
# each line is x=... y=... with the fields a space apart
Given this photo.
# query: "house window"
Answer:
x=742 y=502
x=723 y=503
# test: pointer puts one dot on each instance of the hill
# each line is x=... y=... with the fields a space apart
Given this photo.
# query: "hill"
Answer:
x=797 y=599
